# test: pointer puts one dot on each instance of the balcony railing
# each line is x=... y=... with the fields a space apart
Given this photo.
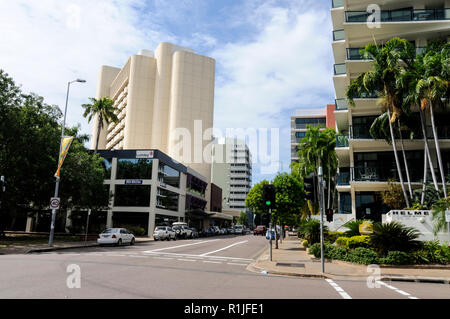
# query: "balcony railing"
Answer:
x=343 y=178
x=340 y=104
x=338 y=35
x=342 y=141
x=340 y=69
x=400 y=15
x=337 y=3
x=354 y=54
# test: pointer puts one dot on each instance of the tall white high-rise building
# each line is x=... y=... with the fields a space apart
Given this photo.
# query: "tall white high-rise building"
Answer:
x=160 y=94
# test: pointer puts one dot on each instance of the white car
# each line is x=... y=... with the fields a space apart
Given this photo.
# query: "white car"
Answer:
x=239 y=230
x=116 y=236
x=163 y=232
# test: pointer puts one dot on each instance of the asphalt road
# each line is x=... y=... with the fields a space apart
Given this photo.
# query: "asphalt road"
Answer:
x=202 y=268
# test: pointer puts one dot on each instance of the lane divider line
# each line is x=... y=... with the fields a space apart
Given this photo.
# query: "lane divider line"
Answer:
x=397 y=290
x=200 y=256
x=227 y=247
x=237 y=264
x=187 y=259
x=338 y=289
x=212 y=262
x=185 y=245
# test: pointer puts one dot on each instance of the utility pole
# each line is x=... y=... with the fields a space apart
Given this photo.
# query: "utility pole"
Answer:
x=322 y=207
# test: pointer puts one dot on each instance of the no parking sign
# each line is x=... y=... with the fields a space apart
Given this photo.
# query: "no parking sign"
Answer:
x=54 y=202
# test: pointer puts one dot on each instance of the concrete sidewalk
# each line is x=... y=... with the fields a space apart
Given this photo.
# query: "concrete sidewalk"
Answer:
x=291 y=259
x=39 y=248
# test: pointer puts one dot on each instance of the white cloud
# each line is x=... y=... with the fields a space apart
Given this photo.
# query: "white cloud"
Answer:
x=47 y=43
x=287 y=66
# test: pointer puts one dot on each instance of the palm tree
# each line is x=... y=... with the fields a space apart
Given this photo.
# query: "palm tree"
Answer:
x=105 y=111
x=427 y=82
x=382 y=79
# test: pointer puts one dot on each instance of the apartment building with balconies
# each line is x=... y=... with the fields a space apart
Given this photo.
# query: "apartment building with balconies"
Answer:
x=365 y=164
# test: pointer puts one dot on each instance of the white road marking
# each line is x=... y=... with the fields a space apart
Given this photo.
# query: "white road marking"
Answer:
x=397 y=290
x=200 y=256
x=212 y=262
x=135 y=256
x=166 y=258
x=186 y=259
x=338 y=289
x=215 y=251
x=114 y=255
x=173 y=247
x=237 y=264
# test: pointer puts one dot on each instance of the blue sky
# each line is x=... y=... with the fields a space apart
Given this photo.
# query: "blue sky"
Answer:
x=272 y=57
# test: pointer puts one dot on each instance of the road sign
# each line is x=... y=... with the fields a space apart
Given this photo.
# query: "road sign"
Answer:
x=54 y=202
x=447 y=216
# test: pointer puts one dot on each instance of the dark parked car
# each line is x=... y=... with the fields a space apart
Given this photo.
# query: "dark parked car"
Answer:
x=194 y=233
x=260 y=230
x=207 y=232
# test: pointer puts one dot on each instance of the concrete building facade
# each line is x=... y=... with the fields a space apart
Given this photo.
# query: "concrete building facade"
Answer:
x=158 y=95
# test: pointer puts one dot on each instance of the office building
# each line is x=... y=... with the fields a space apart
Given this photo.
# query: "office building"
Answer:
x=365 y=164
x=231 y=170
x=157 y=93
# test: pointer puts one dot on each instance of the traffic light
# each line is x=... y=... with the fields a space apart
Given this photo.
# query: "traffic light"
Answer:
x=309 y=188
x=329 y=215
x=269 y=196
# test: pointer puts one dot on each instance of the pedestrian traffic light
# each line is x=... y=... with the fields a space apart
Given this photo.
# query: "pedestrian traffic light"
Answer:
x=329 y=215
x=269 y=196
x=308 y=188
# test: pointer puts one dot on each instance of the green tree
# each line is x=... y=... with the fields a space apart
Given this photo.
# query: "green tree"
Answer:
x=29 y=149
x=254 y=199
x=382 y=79
x=242 y=220
x=103 y=109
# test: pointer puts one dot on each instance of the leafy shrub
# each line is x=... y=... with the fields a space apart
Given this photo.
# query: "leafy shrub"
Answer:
x=353 y=228
x=331 y=236
x=340 y=253
x=310 y=230
x=435 y=253
x=358 y=241
x=394 y=237
x=364 y=256
x=342 y=241
x=397 y=258
x=315 y=250
x=305 y=243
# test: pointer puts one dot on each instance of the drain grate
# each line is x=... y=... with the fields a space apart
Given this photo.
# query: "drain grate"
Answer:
x=291 y=265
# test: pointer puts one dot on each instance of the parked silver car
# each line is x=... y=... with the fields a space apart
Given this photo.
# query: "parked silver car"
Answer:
x=163 y=233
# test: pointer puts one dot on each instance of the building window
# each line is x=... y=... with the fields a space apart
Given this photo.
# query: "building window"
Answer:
x=345 y=203
x=132 y=195
x=168 y=175
x=134 y=168
x=165 y=220
x=167 y=200
x=107 y=165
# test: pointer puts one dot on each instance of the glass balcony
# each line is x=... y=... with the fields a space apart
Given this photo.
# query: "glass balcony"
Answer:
x=344 y=176
x=340 y=69
x=338 y=35
x=355 y=55
x=337 y=3
x=400 y=15
x=342 y=141
x=340 y=104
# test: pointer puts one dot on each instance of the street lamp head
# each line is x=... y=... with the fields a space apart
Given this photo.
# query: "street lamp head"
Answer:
x=80 y=80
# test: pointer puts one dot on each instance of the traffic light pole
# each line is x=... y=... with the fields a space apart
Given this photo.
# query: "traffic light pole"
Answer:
x=322 y=208
x=270 y=234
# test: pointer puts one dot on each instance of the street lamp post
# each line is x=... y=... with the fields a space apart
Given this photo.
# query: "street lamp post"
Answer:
x=52 y=225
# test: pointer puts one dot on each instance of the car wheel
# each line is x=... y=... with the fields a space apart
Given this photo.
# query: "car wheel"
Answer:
x=119 y=242
x=132 y=242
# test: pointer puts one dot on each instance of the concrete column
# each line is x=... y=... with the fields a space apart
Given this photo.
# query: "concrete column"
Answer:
x=109 y=222
x=68 y=220
x=153 y=196
x=29 y=225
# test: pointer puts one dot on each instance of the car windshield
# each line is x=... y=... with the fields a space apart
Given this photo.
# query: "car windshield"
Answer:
x=110 y=230
x=239 y=227
x=176 y=227
x=160 y=228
